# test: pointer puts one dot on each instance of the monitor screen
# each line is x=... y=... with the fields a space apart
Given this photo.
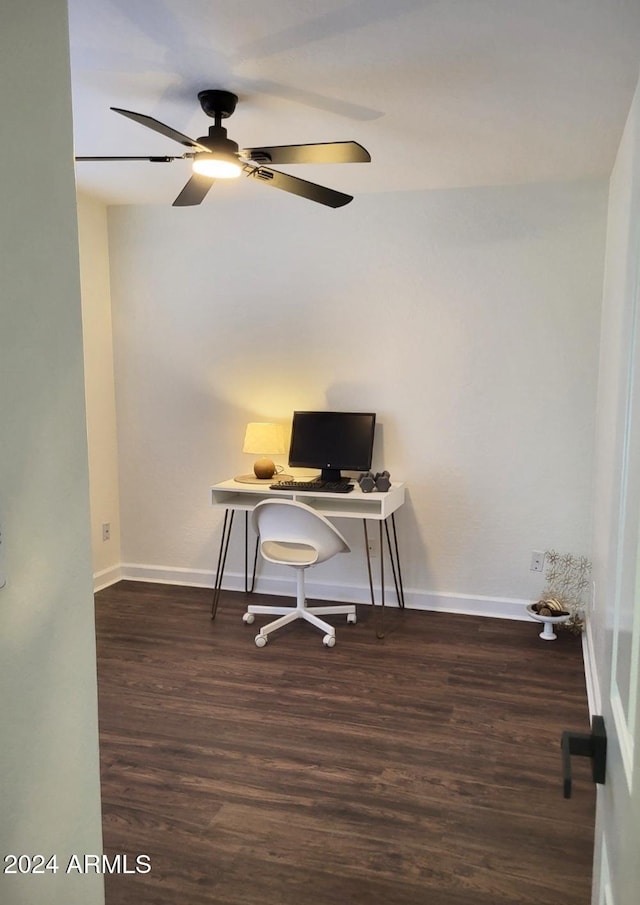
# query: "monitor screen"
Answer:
x=332 y=441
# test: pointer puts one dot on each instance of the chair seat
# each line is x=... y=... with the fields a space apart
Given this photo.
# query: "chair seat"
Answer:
x=289 y=553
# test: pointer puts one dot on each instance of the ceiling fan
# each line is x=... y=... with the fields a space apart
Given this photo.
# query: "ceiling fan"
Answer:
x=215 y=156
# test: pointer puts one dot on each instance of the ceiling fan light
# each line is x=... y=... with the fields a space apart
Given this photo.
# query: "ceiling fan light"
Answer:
x=216 y=165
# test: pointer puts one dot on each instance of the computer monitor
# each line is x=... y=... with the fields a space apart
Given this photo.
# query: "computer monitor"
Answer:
x=332 y=442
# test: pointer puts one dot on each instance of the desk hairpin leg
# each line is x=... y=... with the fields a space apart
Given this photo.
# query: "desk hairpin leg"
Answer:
x=247 y=589
x=395 y=565
x=380 y=631
x=366 y=547
x=222 y=558
x=394 y=557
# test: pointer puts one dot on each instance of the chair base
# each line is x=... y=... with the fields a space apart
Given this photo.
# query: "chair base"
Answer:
x=308 y=613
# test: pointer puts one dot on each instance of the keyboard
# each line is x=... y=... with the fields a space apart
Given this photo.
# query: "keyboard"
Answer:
x=321 y=486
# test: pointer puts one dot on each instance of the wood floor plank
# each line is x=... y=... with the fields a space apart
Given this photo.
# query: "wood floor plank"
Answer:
x=421 y=768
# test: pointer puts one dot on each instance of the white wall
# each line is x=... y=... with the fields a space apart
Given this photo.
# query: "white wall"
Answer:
x=49 y=771
x=99 y=388
x=472 y=321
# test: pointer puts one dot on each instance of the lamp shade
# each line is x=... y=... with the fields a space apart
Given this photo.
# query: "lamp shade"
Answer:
x=264 y=439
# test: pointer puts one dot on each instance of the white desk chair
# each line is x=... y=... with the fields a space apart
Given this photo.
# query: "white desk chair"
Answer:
x=293 y=534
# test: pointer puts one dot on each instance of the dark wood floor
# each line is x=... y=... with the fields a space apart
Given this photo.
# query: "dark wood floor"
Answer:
x=422 y=769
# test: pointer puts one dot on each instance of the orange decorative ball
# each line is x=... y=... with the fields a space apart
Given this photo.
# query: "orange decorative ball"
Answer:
x=264 y=468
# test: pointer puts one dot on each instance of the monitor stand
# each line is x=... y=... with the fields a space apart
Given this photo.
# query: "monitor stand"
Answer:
x=333 y=475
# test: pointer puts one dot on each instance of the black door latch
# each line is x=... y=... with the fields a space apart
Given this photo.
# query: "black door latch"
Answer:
x=593 y=745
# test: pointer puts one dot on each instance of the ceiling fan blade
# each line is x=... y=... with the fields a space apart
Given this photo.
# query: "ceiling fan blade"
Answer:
x=157 y=126
x=152 y=159
x=301 y=187
x=323 y=152
x=194 y=191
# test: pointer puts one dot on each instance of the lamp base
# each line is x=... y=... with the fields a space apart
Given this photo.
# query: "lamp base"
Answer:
x=251 y=479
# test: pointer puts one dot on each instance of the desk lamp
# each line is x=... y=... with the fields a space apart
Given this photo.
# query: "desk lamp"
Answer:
x=263 y=439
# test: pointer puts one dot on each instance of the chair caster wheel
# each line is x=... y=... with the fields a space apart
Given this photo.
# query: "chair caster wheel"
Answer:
x=248 y=618
x=261 y=640
x=352 y=618
x=329 y=640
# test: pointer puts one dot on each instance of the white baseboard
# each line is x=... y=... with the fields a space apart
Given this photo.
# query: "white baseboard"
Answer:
x=193 y=578
x=464 y=604
x=106 y=577
x=469 y=605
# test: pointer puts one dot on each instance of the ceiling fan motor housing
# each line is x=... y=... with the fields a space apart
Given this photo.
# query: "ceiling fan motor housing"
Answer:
x=217 y=141
x=217 y=103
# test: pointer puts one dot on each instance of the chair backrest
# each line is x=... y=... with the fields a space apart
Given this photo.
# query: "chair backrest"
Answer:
x=290 y=522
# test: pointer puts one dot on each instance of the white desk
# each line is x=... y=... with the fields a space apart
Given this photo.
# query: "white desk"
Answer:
x=233 y=497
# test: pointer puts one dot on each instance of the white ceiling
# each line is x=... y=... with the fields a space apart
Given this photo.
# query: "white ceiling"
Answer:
x=443 y=93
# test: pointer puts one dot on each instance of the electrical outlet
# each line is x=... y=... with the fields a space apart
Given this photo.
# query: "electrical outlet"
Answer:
x=537 y=561
x=106 y=531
